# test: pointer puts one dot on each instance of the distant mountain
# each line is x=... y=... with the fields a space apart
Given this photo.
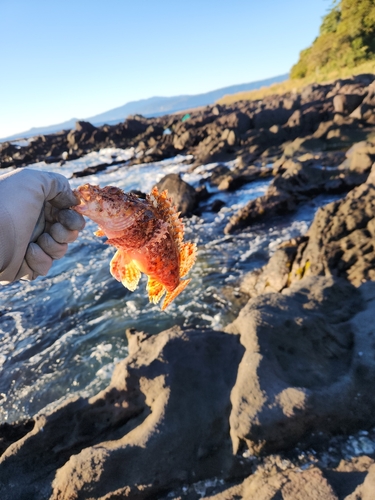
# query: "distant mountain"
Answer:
x=154 y=106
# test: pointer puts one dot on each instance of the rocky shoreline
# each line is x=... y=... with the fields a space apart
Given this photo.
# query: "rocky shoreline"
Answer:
x=281 y=403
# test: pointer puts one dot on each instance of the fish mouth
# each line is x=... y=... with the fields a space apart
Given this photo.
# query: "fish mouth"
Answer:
x=83 y=193
x=84 y=196
x=81 y=208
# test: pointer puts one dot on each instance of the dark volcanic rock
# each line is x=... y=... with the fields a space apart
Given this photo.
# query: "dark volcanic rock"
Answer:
x=305 y=366
x=346 y=103
x=279 y=477
x=135 y=125
x=189 y=406
x=217 y=174
x=251 y=130
x=341 y=239
x=183 y=195
x=96 y=168
x=289 y=485
x=304 y=177
x=237 y=121
x=339 y=242
x=82 y=126
x=162 y=421
x=366 y=490
x=10 y=433
x=275 y=275
x=266 y=118
x=274 y=202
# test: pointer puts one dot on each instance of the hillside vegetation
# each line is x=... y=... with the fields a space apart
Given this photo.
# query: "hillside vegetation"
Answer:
x=345 y=47
x=346 y=39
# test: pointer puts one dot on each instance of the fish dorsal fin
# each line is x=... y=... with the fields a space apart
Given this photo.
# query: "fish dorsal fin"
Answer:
x=187 y=257
x=166 y=211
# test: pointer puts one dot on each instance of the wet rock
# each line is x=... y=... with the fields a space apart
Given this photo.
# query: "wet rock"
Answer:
x=274 y=276
x=162 y=421
x=341 y=239
x=202 y=193
x=233 y=179
x=339 y=242
x=187 y=411
x=296 y=180
x=274 y=202
x=308 y=364
x=217 y=174
x=183 y=195
x=217 y=205
x=90 y=170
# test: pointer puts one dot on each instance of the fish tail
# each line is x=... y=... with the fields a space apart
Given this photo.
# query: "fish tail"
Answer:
x=188 y=254
x=172 y=295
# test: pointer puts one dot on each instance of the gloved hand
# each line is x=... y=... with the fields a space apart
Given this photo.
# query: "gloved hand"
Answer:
x=35 y=223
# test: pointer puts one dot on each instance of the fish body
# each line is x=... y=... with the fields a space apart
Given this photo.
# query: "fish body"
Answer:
x=148 y=235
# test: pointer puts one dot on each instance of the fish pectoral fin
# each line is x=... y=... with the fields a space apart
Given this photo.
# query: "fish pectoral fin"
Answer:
x=188 y=254
x=155 y=290
x=99 y=232
x=125 y=270
x=172 y=295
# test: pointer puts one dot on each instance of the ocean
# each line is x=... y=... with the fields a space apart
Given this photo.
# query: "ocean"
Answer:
x=64 y=333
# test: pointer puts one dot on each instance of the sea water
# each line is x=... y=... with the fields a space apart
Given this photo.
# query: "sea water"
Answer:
x=63 y=333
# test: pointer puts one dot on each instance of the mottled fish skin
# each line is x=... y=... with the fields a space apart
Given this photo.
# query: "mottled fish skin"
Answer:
x=148 y=235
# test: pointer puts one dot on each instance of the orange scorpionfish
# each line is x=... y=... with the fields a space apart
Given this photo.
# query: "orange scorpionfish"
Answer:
x=148 y=235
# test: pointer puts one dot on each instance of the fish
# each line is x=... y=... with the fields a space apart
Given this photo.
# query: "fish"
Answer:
x=148 y=235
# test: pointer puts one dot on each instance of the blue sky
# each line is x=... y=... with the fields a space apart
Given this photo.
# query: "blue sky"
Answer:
x=76 y=58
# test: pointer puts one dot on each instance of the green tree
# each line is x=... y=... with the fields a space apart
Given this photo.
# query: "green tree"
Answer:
x=346 y=38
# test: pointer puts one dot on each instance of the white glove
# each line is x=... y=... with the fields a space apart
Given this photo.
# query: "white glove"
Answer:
x=35 y=223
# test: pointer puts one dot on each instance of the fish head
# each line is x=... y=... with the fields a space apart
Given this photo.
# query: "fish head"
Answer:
x=109 y=206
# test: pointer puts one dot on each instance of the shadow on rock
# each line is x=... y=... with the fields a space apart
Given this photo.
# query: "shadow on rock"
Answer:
x=163 y=420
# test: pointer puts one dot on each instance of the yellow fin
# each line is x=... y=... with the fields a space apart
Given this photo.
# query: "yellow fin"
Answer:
x=166 y=211
x=155 y=290
x=172 y=295
x=187 y=257
x=125 y=270
x=99 y=232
